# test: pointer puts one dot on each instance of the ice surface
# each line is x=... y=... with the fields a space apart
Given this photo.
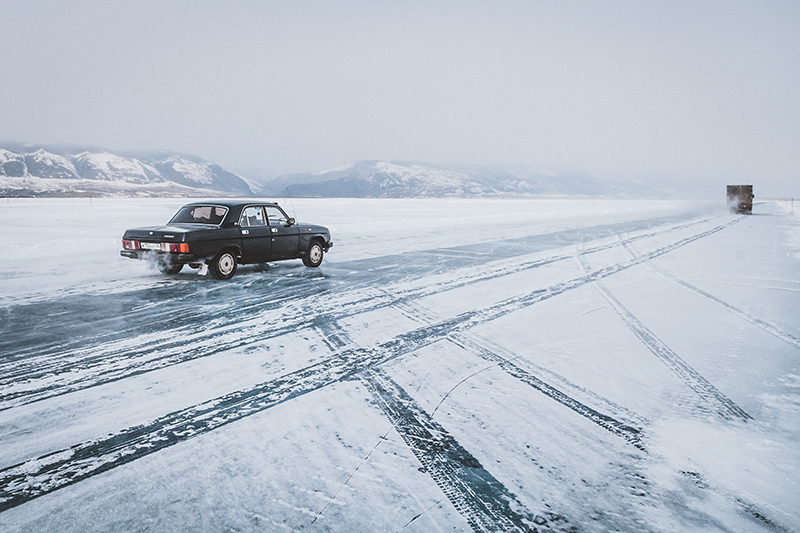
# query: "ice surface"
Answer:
x=452 y=365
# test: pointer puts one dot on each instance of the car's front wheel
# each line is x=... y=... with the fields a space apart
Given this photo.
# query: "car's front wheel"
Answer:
x=313 y=256
x=224 y=265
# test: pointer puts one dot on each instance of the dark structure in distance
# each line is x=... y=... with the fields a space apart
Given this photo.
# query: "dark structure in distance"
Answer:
x=740 y=198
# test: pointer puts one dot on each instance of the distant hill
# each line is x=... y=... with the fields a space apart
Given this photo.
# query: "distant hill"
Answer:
x=381 y=179
x=31 y=170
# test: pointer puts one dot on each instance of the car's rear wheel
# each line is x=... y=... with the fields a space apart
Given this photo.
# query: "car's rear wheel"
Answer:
x=224 y=265
x=313 y=256
x=169 y=268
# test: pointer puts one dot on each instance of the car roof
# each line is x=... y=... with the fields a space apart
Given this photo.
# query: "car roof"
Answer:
x=233 y=203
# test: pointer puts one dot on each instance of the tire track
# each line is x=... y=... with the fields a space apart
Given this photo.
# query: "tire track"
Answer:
x=766 y=326
x=46 y=376
x=157 y=321
x=713 y=398
x=625 y=431
x=630 y=434
x=750 y=509
x=478 y=496
x=36 y=477
x=42 y=475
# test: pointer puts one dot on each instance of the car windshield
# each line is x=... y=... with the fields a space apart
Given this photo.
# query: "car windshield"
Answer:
x=200 y=214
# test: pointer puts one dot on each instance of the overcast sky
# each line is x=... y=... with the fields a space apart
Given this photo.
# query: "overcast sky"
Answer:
x=695 y=90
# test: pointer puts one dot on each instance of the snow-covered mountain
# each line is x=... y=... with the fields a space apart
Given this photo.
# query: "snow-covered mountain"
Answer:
x=28 y=170
x=381 y=179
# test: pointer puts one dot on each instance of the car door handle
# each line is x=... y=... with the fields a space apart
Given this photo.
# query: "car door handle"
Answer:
x=245 y=232
x=274 y=230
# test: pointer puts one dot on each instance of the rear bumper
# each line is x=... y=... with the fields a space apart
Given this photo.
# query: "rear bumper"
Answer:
x=166 y=257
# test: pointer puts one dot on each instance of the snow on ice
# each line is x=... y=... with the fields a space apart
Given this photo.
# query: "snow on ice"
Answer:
x=468 y=365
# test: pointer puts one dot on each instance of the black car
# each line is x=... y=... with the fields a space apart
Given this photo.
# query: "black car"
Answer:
x=218 y=236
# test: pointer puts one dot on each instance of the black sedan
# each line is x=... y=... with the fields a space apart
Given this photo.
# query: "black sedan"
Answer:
x=218 y=236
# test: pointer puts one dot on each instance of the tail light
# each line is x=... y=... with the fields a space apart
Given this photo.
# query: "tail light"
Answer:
x=130 y=245
x=175 y=247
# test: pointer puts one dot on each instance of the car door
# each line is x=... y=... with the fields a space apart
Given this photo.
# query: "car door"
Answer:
x=256 y=235
x=285 y=235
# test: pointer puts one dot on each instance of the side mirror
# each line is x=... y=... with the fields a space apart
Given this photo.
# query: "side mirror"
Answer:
x=290 y=222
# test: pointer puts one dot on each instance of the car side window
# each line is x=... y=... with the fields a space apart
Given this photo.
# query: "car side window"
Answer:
x=252 y=216
x=275 y=216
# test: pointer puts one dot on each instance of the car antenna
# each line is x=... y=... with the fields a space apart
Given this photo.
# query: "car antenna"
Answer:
x=289 y=197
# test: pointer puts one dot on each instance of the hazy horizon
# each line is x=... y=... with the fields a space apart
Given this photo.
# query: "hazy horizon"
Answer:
x=690 y=92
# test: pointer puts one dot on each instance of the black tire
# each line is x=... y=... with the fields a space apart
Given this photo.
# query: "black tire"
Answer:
x=313 y=256
x=169 y=268
x=224 y=265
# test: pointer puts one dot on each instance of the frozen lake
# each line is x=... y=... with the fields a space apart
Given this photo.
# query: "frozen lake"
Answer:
x=453 y=365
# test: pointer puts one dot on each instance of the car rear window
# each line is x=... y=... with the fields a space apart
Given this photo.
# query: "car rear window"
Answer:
x=200 y=214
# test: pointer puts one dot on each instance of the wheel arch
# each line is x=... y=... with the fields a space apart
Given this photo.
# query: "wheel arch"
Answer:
x=306 y=240
x=237 y=251
x=320 y=240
